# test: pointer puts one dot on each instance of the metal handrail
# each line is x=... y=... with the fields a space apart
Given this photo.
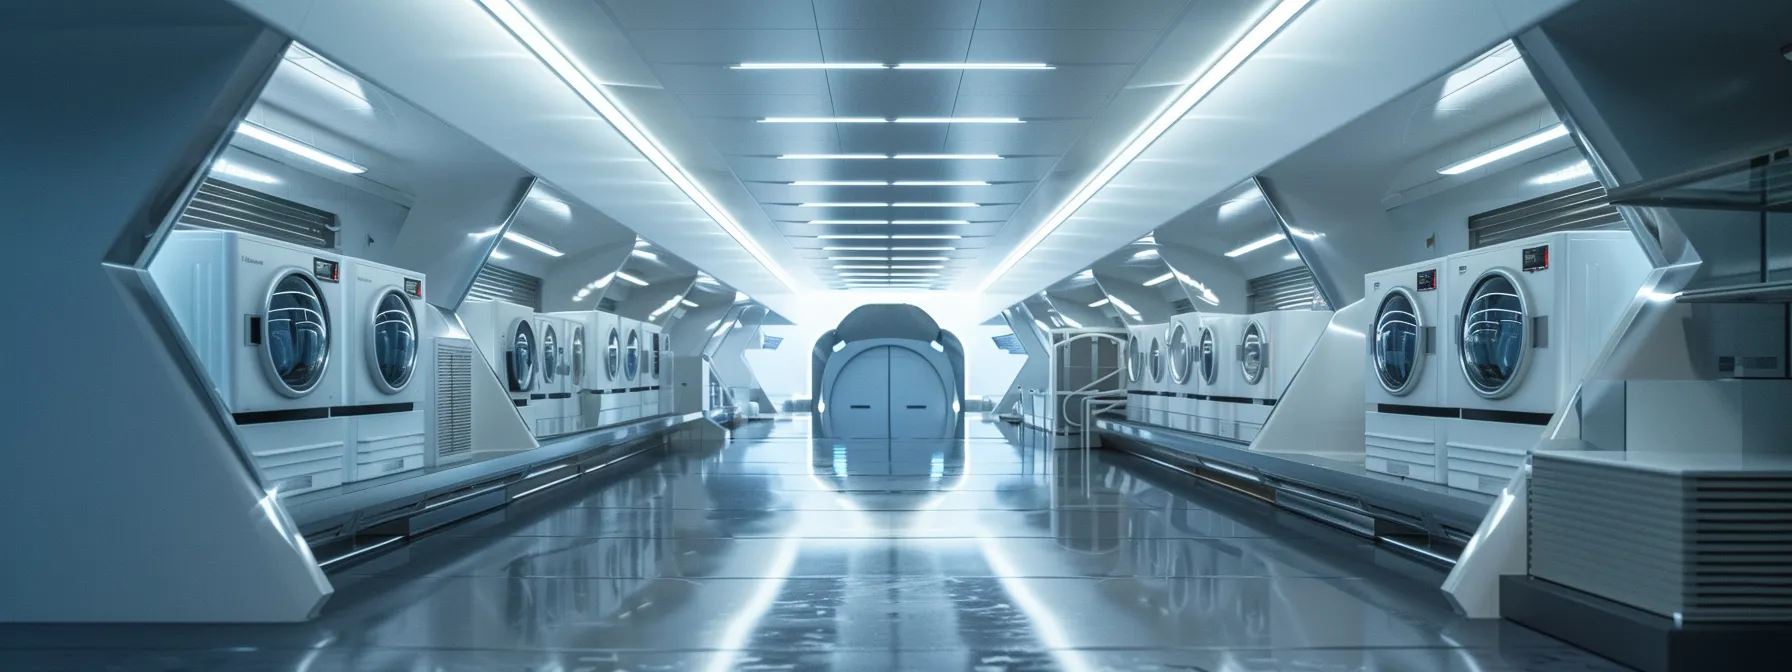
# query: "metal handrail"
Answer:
x=1113 y=400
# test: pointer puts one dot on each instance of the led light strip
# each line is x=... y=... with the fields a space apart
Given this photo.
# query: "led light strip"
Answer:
x=299 y=148
x=1272 y=23
x=524 y=29
x=1506 y=150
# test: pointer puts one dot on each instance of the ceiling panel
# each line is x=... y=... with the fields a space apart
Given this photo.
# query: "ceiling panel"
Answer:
x=726 y=46
x=758 y=106
x=894 y=46
x=903 y=15
x=893 y=93
x=720 y=14
x=1061 y=47
x=718 y=78
x=1077 y=14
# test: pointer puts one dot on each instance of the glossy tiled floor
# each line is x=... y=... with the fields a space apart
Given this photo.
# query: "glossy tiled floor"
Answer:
x=776 y=552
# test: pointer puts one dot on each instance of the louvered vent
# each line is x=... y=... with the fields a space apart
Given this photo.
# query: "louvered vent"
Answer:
x=1582 y=208
x=1182 y=307
x=503 y=284
x=1710 y=545
x=606 y=305
x=1293 y=289
x=451 y=429
x=772 y=342
x=1009 y=343
x=222 y=205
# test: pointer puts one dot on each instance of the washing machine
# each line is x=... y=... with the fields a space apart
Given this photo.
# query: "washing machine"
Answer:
x=1216 y=363
x=1408 y=364
x=505 y=334
x=1530 y=317
x=1180 y=362
x=1153 y=341
x=387 y=380
x=1271 y=349
x=613 y=384
x=1136 y=404
x=263 y=317
x=553 y=390
x=585 y=379
x=631 y=370
x=652 y=337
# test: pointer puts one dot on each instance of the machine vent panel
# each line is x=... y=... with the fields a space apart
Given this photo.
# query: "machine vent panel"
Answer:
x=1293 y=289
x=1010 y=344
x=772 y=342
x=503 y=284
x=225 y=206
x=1182 y=307
x=1582 y=208
x=452 y=425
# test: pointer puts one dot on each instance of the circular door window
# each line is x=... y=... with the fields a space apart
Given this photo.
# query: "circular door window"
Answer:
x=1253 y=348
x=1132 y=359
x=1181 y=355
x=1157 y=361
x=578 y=356
x=550 y=354
x=654 y=357
x=1210 y=363
x=1492 y=340
x=520 y=363
x=631 y=361
x=613 y=356
x=1394 y=346
x=296 y=329
x=392 y=342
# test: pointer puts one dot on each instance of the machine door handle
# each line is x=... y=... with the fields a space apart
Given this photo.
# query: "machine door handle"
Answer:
x=864 y=406
x=917 y=405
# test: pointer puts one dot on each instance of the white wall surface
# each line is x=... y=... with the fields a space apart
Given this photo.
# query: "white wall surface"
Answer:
x=1443 y=217
x=361 y=214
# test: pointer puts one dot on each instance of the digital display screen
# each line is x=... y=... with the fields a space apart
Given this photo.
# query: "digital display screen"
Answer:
x=1427 y=280
x=327 y=270
x=413 y=287
x=1536 y=258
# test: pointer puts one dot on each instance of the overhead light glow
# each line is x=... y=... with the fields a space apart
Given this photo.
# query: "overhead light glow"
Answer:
x=951 y=157
x=975 y=66
x=1159 y=279
x=930 y=221
x=688 y=303
x=1258 y=244
x=824 y=120
x=1145 y=254
x=1506 y=150
x=241 y=172
x=809 y=66
x=943 y=236
x=1578 y=171
x=920 y=259
x=839 y=183
x=1087 y=274
x=499 y=255
x=922 y=249
x=934 y=205
x=1099 y=304
x=299 y=149
x=644 y=254
x=959 y=120
x=1291 y=256
x=631 y=278
x=860 y=267
x=846 y=236
x=824 y=157
x=1248 y=44
x=843 y=205
x=1123 y=306
x=854 y=249
x=532 y=244
x=940 y=183
x=848 y=221
x=524 y=28
x=639 y=242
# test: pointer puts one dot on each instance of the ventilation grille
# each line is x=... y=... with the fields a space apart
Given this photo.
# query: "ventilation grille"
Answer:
x=222 y=205
x=452 y=426
x=1009 y=343
x=504 y=284
x=1702 y=546
x=1293 y=289
x=1582 y=208
x=772 y=342
x=1182 y=307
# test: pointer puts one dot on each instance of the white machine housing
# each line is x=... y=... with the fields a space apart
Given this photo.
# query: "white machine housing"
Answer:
x=631 y=377
x=1216 y=369
x=505 y=334
x=652 y=359
x=1409 y=359
x=1134 y=369
x=235 y=295
x=386 y=370
x=584 y=360
x=1274 y=345
x=1155 y=357
x=553 y=388
x=1182 y=379
x=1528 y=319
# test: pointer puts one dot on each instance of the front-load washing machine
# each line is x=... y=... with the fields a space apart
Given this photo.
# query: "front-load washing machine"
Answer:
x=553 y=389
x=586 y=381
x=1272 y=347
x=383 y=321
x=615 y=384
x=505 y=334
x=1530 y=318
x=631 y=370
x=1216 y=412
x=651 y=342
x=264 y=319
x=1152 y=338
x=1184 y=329
x=1408 y=363
x=1136 y=403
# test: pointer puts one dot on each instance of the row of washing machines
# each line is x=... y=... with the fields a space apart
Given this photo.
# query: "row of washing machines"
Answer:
x=1217 y=374
x=545 y=362
x=1522 y=322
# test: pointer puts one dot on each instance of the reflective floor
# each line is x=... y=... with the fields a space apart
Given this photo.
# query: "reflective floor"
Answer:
x=776 y=552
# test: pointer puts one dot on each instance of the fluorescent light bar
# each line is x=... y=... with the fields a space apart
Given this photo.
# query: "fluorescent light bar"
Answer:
x=854 y=249
x=843 y=205
x=1123 y=306
x=943 y=236
x=642 y=243
x=299 y=148
x=1159 y=280
x=839 y=183
x=1099 y=304
x=959 y=120
x=914 y=275
x=852 y=275
x=930 y=221
x=843 y=157
x=1086 y=274
x=934 y=205
x=499 y=255
x=809 y=66
x=860 y=267
x=644 y=254
x=920 y=258
x=226 y=167
x=519 y=24
x=1145 y=254
x=1577 y=171
x=631 y=278
x=951 y=157
x=911 y=267
x=688 y=303
x=532 y=244
x=922 y=249
x=1291 y=256
x=1236 y=55
x=824 y=120
x=853 y=237
x=975 y=66
x=847 y=221
x=1257 y=244
x=940 y=183
x=1506 y=150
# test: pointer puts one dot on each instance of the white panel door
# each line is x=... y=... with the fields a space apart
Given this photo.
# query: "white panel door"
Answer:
x=919 y=405
x=859 y=403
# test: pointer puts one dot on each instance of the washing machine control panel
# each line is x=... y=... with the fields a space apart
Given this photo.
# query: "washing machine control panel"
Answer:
x=1427 y=280
x=1536 y=258
x=413 y=287
x=326 y=270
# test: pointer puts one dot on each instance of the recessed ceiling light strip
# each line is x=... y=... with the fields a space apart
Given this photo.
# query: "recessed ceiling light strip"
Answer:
x=824 y=120
x=810 y=66
x=1506 y=150
x=1240 y=51
x=1257 y=245
x=532 y=244
x=951 y=157
x=848 y=221
x=975 y=66
x=833 y=157
x=300 y=149
x=839 y=183
x=940 y=183
x=960 y=120
x=514 y=19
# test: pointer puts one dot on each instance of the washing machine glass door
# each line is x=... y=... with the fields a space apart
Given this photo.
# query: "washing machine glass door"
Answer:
x=392 y=342
x=1182 y=357
x=550 y=354
x=521 y=362
x=1157 y=361
x=1396 y=344
x=1252 y=349
x=631 y=362
x=296 y=331
x=613 y=357
x=1210 y=365
x=1492 y=338
x=1133 y=372
x=654 y=358
x=578 y=357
